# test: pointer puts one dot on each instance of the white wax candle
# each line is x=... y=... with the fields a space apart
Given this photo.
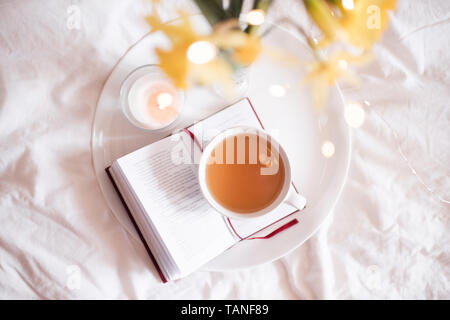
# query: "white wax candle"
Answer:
x=153 y=103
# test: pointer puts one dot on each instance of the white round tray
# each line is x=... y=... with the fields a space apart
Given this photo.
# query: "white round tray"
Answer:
x=301 y=130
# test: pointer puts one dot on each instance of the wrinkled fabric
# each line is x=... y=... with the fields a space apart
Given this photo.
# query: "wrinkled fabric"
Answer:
x=388 y=237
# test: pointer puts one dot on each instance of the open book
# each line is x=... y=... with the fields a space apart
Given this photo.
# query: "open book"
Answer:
x=158 y=185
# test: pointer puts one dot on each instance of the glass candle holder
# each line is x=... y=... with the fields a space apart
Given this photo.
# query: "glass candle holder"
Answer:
x=149 y=100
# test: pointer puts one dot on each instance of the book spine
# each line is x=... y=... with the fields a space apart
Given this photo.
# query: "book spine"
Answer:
x=152 y=257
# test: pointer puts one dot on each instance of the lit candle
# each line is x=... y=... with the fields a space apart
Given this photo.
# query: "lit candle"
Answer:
x=154 y=103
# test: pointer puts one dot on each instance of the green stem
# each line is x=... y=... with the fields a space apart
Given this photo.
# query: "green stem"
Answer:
x=212 y=10
x=234 y=10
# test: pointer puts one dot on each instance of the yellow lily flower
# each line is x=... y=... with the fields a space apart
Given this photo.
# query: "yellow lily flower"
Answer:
x=173 y=61
x=183 y=72
x=246 y=47
x=324 y=73
x=249 y=51
x=365 y=21
x=326 y=20
x=357 y=22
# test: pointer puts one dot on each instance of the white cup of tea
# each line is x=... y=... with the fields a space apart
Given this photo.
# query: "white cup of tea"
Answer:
x=233 y=187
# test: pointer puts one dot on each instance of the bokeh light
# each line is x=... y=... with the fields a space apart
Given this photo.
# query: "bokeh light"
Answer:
x=201 y=52
x=348 y=4
x=277 y=90
x=256 y=17
x=354 y=115
x=343 y=64
x=328 y=149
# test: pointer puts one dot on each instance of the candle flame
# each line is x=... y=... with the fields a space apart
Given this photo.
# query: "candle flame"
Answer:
x=164 y=100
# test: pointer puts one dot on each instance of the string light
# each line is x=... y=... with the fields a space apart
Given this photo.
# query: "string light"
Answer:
x=328 y=149
x=348 y=4
x=164 y=100
x=201 y=52
x=354 y=115
x=277 y=90
x=256 y=17
x=343 y=64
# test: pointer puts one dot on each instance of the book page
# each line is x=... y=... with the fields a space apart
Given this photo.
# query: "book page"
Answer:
x=239 y=114
x=245 y=228
x=190 y=228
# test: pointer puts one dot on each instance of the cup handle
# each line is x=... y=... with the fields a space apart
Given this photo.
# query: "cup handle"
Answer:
x=296 y=200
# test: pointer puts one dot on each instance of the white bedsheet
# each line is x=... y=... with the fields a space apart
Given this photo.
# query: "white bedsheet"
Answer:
x=388 y=236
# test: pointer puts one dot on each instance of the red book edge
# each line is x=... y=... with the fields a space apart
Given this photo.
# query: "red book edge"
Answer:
x=152 y=257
